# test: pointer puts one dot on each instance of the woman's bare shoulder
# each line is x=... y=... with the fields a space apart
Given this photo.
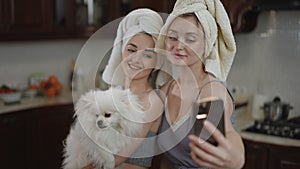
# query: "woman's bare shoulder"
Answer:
x=215 y=89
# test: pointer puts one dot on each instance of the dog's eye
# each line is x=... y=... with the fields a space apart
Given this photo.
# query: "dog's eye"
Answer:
x=106 y=115
x=97 y=115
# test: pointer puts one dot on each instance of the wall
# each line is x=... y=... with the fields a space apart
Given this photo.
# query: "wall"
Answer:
x=18 y=60
x=268 y=59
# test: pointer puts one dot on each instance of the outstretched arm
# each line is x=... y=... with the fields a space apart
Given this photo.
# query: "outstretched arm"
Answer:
x=229 y=153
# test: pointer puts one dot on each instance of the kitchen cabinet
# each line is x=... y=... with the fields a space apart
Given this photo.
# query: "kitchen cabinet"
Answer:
x=19 y=17
x=51 y=126
x=284 y=158
x=28 y=16
x=242 y=14
x=35 y=19
x=267 y=156
x=13 y=141
x=157 y=5
x=33 y=138
x=115 y=9
x=256 y=156
x=48 y=19
x=3 y=14
x=44 y=19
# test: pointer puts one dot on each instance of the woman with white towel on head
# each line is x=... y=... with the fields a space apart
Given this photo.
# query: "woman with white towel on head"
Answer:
x=134 y=65
x=198 y=41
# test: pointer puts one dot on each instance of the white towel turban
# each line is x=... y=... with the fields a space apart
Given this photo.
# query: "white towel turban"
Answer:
x=220 y=47
x=137 y=21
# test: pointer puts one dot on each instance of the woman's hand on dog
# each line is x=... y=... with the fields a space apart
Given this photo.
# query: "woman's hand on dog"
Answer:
x=90 y=166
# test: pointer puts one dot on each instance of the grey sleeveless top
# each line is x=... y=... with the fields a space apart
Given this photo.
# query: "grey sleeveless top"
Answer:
x=145 y=147
x=174 y=141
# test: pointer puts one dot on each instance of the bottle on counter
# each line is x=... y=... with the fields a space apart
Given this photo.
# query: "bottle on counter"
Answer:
x=77 y=80
x=36 y=78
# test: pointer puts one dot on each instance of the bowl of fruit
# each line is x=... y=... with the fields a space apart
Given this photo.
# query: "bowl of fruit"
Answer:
x=51 y=87
x=10 y=95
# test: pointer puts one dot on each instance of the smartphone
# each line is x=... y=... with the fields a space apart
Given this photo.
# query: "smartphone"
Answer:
x=211 y=109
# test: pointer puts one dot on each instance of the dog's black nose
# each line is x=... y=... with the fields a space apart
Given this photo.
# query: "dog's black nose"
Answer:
x=100 y=123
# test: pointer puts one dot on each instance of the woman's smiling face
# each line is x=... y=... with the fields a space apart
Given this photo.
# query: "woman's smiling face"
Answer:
x=138 y=57
x=185 y=41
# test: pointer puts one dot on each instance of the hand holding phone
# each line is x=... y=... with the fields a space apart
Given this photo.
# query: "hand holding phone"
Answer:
x=211 y=109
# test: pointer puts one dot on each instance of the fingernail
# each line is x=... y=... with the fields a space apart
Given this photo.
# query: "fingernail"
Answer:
x=200 y=140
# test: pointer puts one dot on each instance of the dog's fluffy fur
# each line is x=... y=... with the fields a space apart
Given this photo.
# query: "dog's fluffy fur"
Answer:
x=105 y=122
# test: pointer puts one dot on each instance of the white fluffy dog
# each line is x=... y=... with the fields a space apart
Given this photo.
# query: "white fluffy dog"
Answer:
x=106 y=120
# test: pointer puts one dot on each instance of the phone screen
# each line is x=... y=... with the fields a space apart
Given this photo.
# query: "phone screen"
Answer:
x=213 y=111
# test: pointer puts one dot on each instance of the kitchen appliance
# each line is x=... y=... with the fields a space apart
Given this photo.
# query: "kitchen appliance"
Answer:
x=284 y=128
x=276 y=110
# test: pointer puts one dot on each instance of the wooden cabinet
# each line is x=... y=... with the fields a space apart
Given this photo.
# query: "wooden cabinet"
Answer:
x=242 y=13
x=33 y=138
x=3 y=16
x=284 y=158
x=20 y=17
x=26 y=16
x=267 y=156
x=51 y=126
x=157 y=5
x=115 y=9
x=13 y=141
x=36 y=19
x=256 y=156
x=44 y=19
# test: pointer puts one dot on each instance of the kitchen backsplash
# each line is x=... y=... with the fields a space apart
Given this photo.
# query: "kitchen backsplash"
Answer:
x=267 y=60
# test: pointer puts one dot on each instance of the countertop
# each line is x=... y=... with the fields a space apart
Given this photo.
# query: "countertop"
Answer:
x=243 y=118
x=65 y=97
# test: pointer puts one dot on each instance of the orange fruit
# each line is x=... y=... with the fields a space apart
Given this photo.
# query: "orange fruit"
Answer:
x=33 y=87
x=43 y=84
x=51 y=92
x=52 y=79
x=48 y=85
x=58 y=87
